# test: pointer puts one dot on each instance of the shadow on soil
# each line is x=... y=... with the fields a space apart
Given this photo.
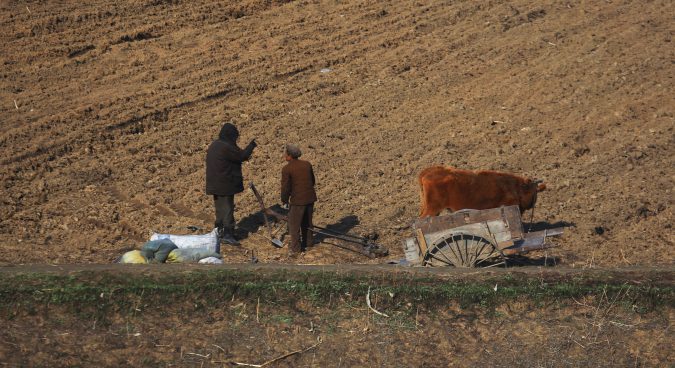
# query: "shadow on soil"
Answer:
x=253 y=222
x=519 y=261
x=543 y=225
x=522 y=261
x=343 y=226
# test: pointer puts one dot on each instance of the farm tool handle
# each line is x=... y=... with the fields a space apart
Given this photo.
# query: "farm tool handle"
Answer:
x=363 y=250
x=363 y=242
x=334 y=234
x=275 y=214
x=365 y=247
x=323 y=231
x=271 y=238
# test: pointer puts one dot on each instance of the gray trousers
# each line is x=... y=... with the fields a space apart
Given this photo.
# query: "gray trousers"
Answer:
x=224 y=213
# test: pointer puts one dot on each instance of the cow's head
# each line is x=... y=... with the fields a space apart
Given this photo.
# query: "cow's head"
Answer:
x=528 y=193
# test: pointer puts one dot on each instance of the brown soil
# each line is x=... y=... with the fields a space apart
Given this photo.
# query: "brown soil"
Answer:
x=219 y=321
x=351 y=336
x=107 y=109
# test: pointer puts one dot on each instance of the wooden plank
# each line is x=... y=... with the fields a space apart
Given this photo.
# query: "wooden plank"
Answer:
x=534 y=241
x=544 y=233
x=422 y=242
x=521 y=249
x=412 y=251
x=509 y=214
x=464 y=217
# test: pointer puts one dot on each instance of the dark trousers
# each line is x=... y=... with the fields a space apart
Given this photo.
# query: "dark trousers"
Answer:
x=299 y=222
x=224 y=213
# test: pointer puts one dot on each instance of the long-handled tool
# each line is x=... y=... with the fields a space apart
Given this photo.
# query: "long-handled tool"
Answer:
x=276 y=242
x=350 y=242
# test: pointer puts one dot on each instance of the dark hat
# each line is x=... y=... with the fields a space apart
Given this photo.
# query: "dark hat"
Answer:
x=228 y=132
x=293 y=150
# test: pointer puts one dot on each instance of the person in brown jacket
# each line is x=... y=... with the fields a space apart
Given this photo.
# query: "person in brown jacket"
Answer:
x=297 y=189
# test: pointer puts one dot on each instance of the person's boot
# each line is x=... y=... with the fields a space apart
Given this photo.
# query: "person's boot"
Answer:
x=227 y=238
x=224 y=237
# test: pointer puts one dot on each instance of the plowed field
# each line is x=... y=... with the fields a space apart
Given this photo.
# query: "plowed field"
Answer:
x=107 y=109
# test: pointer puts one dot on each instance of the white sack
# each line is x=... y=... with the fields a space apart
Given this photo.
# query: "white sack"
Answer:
x=211 y=260
x=208 y=241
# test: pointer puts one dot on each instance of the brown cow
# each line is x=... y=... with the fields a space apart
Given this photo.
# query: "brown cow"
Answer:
x=455 y=189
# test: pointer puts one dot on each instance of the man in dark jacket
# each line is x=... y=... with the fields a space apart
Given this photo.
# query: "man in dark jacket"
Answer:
x=297 y=188
x=224 y=178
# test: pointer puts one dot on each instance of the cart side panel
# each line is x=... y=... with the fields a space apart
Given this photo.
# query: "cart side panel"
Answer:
x=510 y=215
x=412 y=252
x=496 y=231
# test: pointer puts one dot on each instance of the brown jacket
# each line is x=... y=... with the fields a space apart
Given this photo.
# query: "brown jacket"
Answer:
x=297 y=183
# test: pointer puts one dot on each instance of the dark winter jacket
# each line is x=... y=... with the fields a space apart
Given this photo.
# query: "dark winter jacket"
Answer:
x=223 y=163
x=297 y=183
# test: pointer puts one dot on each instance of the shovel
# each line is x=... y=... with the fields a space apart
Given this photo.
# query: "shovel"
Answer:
x=276 y=242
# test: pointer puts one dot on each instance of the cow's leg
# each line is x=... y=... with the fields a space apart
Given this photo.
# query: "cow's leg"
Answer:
x=427 y=211
x=423 y=197
x=429 y=200
x=430 y=211
x=423 y=208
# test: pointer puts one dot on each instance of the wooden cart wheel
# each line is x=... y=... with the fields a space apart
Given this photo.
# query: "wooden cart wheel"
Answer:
x=463 y=250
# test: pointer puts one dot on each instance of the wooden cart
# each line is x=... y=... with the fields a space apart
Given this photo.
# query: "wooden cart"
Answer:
x=473 y=238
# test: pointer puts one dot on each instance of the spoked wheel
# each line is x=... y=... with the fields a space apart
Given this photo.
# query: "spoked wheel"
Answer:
x=463 y=250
